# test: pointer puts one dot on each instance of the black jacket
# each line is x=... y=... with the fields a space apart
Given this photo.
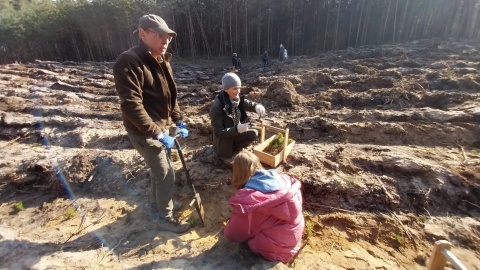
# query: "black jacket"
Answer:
x=223 y=126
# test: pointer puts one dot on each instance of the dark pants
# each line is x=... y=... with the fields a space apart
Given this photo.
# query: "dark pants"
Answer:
x=243 y=140
x=162 y=175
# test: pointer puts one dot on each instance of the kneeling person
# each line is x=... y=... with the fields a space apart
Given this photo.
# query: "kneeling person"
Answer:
x=266 y=210
x=229 y=118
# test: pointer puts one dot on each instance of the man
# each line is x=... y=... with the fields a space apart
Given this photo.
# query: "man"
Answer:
x=282 y=53
x=229 y=119
x=148 y=101
x=239 y=65
x=265 y=59
x=235 y=62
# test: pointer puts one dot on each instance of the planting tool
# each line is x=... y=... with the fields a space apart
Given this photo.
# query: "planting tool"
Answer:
x=196 y=196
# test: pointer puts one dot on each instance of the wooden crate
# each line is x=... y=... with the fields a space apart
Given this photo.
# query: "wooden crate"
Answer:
x=267 y=158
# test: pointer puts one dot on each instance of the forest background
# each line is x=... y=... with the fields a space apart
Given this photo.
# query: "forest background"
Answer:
x=99 y=30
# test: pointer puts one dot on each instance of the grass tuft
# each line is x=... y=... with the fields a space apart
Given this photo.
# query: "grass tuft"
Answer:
x=19 y=206
x=70 y=213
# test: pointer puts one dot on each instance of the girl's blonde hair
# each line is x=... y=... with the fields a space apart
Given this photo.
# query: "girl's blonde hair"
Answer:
x=244 y=166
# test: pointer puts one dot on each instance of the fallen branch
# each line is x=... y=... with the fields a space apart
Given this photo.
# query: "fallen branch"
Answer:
x=428 y=213
x=296 y=255
x=384 y=188
x=350 y=116
x=355 y=257
x=350 y=132
x=91 y=176
x=363 y=227
x=463 y=153
x=330 y=207
x=11 y=141
x=407 y=232
x=471 y=203
x=80 y=229
x=426 y=194
x=108 y=253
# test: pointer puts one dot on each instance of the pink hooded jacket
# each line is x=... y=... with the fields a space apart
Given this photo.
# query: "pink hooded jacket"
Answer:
x=267 y=213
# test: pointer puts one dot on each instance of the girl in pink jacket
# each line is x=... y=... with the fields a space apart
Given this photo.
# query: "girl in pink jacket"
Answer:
x=267 y=210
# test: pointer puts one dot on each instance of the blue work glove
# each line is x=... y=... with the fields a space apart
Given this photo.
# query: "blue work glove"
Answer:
x=168 y=141
x=182 y=128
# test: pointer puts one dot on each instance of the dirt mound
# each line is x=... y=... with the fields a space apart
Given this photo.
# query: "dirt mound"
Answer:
x=281 y=93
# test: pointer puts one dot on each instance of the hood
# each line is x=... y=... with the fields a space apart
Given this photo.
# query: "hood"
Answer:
x=248 y=200
x=265 y=181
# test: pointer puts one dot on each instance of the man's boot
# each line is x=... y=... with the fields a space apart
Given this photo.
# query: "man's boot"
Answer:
x=171 y=225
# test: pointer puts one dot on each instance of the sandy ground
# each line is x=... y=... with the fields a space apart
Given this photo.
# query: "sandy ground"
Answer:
x=386 y=144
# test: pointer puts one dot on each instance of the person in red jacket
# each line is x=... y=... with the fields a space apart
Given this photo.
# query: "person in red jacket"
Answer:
x=266 y=210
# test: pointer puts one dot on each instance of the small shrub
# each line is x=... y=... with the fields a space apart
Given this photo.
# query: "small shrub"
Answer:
x=400 y=239
x=19 y=206
x=309 y=228
x=364 y=70
x=423 y=218
x=70 y=212
x=352 y=180
x=449 y=74
x=192 y=221
x=276 y=145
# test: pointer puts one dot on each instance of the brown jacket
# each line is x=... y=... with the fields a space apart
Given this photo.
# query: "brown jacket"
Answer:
x=147 y=91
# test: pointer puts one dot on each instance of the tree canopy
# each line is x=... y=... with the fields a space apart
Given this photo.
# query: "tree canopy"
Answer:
x=99 y=30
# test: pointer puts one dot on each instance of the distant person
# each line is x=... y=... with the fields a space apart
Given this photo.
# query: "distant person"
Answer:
x=266 y=210
x=239 y=64
x=229 y=120
x=283 y=55
x=148 y=101
x=265 y=59
x=235 y=62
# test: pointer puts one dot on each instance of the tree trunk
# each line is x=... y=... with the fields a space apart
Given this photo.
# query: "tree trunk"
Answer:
x=259 y=31
x=360 y=23
x=385 y=22
x=404 y=17
x=231 y=34
x=350 y=24
x=191 y=36
x=366 y=21
x=204 y=36
x=395 y=22
x=326 y=28
x=337 y=19
x=246 y=28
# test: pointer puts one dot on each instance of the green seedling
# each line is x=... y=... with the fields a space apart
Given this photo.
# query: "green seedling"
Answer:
x=70 y=213
x=276 y=145
x=400 y=239
x=307 y=214
x=352 y=180
x=192 y=221
x=19 y=206
x=309 y=228
x=449 y=74
x=423 y=218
